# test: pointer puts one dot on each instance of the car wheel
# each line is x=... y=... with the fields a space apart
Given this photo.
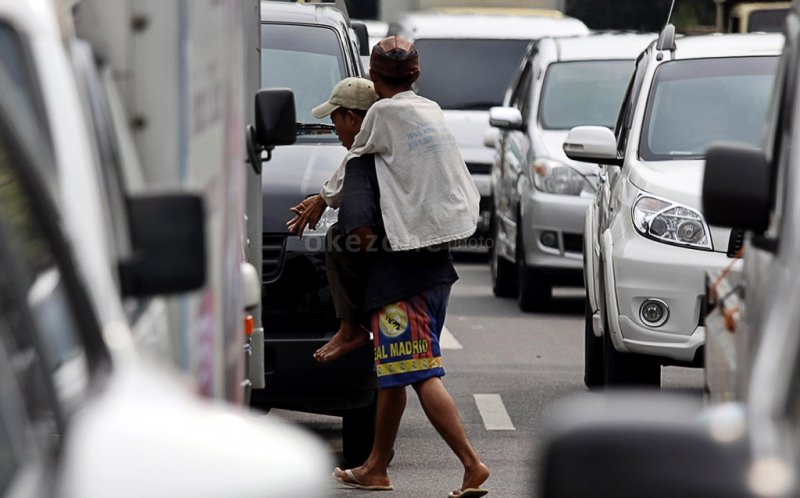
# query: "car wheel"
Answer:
x=534 y=289
x=504 y=283
x=358 y=434
x=593 y=366
x=627 y=369
x=258 y=402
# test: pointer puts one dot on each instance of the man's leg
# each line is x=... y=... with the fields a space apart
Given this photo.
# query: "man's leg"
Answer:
x=347 y=272
x=443 y=414
x=391 y=405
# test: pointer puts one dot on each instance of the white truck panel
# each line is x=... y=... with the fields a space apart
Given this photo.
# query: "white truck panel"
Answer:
x=181 y=72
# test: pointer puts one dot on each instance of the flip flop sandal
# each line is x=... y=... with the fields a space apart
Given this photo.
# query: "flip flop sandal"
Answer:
x=352 y=482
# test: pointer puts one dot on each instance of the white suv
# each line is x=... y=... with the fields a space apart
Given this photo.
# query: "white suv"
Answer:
x=646 y=243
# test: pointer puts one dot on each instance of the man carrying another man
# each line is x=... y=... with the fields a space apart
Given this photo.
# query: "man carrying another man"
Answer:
x=405 y=195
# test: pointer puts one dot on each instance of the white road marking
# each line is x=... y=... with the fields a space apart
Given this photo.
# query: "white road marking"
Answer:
x=493 y=412
x=448 y=341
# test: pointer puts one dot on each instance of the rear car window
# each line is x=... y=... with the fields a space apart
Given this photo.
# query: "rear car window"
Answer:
x=583 y=93
x=770 y=21
x=467 y=74
x=307 y=59
x=696 y=102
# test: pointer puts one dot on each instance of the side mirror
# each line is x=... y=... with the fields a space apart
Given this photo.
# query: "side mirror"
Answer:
x=641 y=444
x=168 y=236
x=251 y=286
x=490 y=137
x=736 y=187
x=506 y=118
x=362 y=35
x=592 y=144
x=276 y=124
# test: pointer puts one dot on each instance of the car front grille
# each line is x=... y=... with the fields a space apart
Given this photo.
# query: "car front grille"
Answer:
x=271 y=255
x=573 y=242
x=735 y=242
x=479 y=168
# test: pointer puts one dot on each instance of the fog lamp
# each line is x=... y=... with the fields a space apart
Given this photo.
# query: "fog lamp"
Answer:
x=549 y=239
x=654 y=312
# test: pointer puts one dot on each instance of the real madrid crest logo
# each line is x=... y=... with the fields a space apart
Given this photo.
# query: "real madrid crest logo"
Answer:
x=393 y=320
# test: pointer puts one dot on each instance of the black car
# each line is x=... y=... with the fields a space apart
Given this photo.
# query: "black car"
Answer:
x=307 y=48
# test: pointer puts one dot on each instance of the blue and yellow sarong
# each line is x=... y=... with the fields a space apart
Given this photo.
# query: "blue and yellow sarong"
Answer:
x=406 y=336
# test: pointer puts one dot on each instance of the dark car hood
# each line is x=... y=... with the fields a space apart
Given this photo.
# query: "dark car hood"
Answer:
x=294 y=173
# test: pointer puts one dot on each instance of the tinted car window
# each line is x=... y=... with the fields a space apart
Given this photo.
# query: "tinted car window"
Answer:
x=583 y=93
x=696 y=102
x=307 y=59
x=467 y=74
x=18 y=71
x=770 y=21
x=37 y=274
x=8 y=460
x=15 y=328
x=46 y=293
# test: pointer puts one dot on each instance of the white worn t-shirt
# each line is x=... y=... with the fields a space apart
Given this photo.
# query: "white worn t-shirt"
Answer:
x=427 y=194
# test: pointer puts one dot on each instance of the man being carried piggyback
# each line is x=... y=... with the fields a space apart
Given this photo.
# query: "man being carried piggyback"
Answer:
x=406 y=194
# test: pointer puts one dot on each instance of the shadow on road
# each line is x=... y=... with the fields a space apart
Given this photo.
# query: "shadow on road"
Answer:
x=470 y=256
x=567 y=306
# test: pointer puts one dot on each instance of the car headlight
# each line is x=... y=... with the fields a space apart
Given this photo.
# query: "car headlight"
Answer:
x=328 y=218
x=670 y=222
x=554 y=177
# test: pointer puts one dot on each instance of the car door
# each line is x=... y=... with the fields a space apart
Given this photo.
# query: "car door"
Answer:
x=50 y=344
x=609 y=174
x=761 y=263
x=514 y=152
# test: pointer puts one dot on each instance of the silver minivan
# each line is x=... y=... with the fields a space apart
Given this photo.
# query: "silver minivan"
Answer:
x=539 y=195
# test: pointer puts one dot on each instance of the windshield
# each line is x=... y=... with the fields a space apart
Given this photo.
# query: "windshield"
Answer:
x=583 y=93
x=306 y=59
x=696 y=102
x=467 y=74
x=770 y=21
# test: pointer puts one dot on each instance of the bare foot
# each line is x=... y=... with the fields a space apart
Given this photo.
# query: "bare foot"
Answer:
x=340 y=344
x=360 y=478
x=474 y=477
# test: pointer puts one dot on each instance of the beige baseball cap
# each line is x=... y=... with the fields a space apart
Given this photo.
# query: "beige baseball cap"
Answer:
x=351 y=93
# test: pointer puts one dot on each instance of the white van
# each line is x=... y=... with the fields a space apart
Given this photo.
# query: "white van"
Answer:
x=81 y=405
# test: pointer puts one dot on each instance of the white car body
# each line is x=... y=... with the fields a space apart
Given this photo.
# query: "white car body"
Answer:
x=524 y=212
x=756 y=434
x=747 y=307
x=135 y=428
x=470 y=125
x=624 y=268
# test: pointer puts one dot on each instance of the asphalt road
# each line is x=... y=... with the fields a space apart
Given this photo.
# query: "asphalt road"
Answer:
x=511 y=364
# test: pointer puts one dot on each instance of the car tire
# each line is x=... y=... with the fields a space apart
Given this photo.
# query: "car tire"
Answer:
x=629 y=369
x=258 y=402
x=593 y=358
x=358 y=434
x=504 y=276
x=534 y=288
